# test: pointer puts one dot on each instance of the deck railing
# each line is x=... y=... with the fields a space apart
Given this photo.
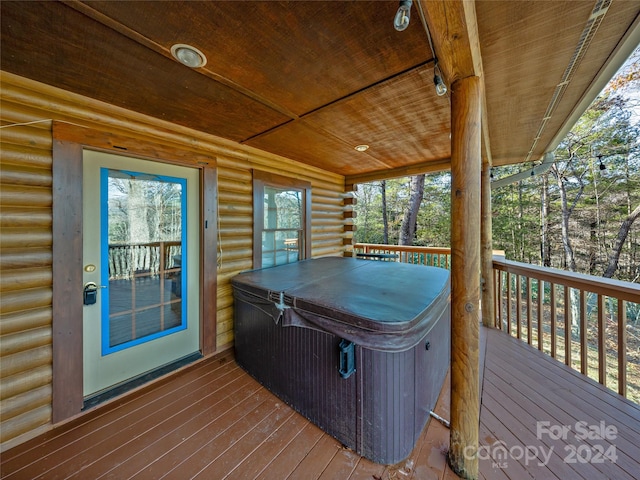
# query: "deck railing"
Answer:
x=592 y=324
x=589 y=323
x=432 y=256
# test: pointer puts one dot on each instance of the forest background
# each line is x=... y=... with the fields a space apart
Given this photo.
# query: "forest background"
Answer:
x=579 y=215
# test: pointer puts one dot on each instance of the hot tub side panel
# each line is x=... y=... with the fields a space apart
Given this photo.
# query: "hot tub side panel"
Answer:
x=397 y=392
x=300 y=366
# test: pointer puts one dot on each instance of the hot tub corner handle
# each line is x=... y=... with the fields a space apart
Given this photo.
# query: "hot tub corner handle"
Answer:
x=347 y=358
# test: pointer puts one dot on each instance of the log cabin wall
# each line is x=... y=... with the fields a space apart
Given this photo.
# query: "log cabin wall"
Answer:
x=26 y=229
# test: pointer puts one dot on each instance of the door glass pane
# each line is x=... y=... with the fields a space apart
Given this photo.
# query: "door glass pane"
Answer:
x=144 y=220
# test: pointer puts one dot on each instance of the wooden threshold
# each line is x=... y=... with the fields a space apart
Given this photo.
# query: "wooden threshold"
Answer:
x=212 y=420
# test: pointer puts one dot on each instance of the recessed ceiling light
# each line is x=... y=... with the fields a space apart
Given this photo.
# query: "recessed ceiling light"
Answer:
x=188 y=55
x=361 y=148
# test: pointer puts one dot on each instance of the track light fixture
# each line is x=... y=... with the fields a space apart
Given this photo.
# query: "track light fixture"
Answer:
x=403 y=15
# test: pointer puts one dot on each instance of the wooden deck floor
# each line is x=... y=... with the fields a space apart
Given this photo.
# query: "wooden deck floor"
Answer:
x=213 y=421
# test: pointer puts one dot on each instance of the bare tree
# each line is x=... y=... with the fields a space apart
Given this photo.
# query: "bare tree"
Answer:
x=385 y=214
x=408 y=228
x=622 y=236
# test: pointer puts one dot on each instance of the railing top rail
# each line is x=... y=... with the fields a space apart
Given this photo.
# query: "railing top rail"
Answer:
x=148 y=244
x=604 y=286
x=404 y=248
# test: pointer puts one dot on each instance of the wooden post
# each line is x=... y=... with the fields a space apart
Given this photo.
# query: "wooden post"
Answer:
x=488 y=307
x=466 y=163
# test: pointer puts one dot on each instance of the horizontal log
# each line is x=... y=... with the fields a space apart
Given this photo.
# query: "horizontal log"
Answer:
x=227 y=172
x=25 y=217
x=28 y=135
x=25 y=381
x=12 y=258
x=234 y=198
x=223 y=339
x=335 y=223
x=26 y=360
x=327 y=196
x=236 y=266
x=236 y=243
x=26 y=237
x=13 y=112
x=225 y=315
x=229 y=254
x=230 y=208
x=25 y=300
x=25 y=423
x=25 y=320
x=234 y=231
x=333 y=232
x=22 y=195
x=24 y=175
x=26 y=340
x=328 y=251
x=228 y=185
x=25 y=278
x=26 y=157
x=231 y=221
x=25 y=402
x=329 y=208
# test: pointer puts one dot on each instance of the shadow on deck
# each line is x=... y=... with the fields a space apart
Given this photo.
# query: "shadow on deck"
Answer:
x=539 y=419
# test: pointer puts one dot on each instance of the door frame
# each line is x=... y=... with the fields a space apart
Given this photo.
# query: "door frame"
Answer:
x=69 y=142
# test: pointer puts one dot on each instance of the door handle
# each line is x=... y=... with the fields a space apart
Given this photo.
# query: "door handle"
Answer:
x=90 y=293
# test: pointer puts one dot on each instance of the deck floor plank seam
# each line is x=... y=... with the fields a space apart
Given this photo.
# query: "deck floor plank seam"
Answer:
x=588 y=385
x=137 y=398
x=566 y=402
x=164 y=437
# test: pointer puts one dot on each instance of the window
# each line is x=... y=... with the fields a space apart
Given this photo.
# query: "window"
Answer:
x=281 y=220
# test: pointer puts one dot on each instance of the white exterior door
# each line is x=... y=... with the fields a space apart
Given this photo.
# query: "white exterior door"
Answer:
x=141 y=267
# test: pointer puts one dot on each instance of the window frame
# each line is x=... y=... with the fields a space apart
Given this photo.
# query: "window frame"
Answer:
x=262 y=179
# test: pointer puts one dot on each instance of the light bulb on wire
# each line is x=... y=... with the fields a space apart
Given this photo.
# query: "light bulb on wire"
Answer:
x=403 y=15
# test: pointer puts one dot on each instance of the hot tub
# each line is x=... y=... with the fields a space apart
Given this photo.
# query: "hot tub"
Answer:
x=359 y=347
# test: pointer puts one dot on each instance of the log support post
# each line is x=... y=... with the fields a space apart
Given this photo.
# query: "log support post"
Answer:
x=488 y=286
x=466 y=164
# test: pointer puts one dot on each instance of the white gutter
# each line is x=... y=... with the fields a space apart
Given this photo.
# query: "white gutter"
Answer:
x=547 y=161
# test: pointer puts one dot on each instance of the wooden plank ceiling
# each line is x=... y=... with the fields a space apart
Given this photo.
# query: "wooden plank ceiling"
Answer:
x=311 y=80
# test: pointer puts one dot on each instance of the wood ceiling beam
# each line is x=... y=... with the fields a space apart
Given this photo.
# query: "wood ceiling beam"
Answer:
x=453 y=28
x=406 y=171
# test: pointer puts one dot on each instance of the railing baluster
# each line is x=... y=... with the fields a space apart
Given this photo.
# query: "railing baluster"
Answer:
x=567 y=326
x=584 y=348
x=518 y=305
x=529 y=310
x=496 y=296
x=553 y=319
x=500 y=287
x=508 y=303
x=622 y=347
x=602 y=353
x=540 y=315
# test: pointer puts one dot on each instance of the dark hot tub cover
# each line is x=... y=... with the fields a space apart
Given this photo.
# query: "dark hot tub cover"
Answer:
x=384 y=306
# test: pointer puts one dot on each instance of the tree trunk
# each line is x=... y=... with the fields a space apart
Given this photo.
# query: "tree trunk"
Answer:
x=385 y=214
x=545 y=245
x=569 y=257
x=622 y=236
x=408 y=229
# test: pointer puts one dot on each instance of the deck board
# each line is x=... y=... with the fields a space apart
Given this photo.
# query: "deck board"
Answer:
x=212 y=420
